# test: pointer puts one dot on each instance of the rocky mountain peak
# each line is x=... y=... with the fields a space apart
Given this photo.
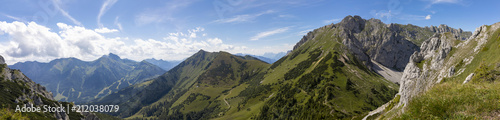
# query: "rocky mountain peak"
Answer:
x=354 y=24
x=113 y=56
x=388 y=44
x=459 y=33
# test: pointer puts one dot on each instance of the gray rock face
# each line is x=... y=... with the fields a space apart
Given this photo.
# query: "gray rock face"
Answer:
x=388 y=44
x=451 y=71
x=416 y=80
x=310 y=35
x=458 y=33
x=16 y=75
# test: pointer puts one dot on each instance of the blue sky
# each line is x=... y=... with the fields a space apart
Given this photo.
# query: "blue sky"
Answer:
x=43 y=30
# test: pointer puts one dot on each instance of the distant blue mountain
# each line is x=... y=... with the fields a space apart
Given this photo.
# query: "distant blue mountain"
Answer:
x=163 y=64
x=275 y=56
x=267 y=57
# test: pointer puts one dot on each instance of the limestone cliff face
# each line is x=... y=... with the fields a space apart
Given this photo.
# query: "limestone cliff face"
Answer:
x=388 y=44
x=417 y=79
x=434 y=62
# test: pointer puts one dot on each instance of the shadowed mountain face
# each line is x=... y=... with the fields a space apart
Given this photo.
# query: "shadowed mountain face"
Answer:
x=71 y=79
x=18 y=90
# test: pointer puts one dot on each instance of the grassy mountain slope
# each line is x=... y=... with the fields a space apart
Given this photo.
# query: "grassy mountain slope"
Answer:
x=207 y=95
x=322 y=80
x=133 y=98
x=71 y=79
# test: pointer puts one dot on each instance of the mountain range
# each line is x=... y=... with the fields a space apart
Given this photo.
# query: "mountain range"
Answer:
x=16 y=90
x=329 y=69
x=71 y=79
x=355 y=69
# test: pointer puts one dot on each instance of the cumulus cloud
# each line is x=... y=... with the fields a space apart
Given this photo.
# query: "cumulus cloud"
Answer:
x=269 y=33
x=428 y=17
x=33 y=42
x=105 y=30
x=30 y=39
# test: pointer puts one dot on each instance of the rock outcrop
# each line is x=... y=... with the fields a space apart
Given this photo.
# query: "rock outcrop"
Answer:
x=434 y=62
x=417 y=79
x=458 y=33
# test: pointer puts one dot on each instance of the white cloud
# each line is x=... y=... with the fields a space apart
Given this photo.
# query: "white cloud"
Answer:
x=386 y=16
x=57 y=5
x=331 y=21
x=118 y=24
x=243 y=18
x=433 y=2
x=33 y=42
x=286 y=16
x=269 y=33
x=148 y=18
x=428 y=17
x=30 y=39
x=304 y=32
x=162 y=14
x=105 y=6
x=443 y=1
x=192 y=33
x=105 y=30
x=14 y=18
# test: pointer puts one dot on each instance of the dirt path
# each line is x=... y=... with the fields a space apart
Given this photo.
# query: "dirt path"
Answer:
x=226 y=100
x=378 y=110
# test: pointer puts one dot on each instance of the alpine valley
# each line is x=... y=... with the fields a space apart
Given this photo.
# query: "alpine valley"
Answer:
x=354 y=69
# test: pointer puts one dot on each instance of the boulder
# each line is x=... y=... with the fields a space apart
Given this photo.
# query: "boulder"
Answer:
x=468 y=78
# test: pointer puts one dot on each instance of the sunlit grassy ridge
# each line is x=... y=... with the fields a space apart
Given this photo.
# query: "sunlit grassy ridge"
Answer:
x=322 y=80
